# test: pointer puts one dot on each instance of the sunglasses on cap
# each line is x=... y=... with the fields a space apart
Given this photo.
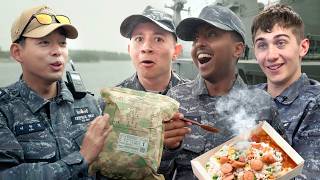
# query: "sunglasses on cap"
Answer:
x=46 y=19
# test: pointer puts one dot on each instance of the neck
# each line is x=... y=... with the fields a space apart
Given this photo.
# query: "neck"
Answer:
x=45 y=90
x=220 y=88
x=158 y=84
x=276 y=89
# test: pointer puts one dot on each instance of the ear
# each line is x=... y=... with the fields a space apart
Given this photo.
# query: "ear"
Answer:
x=304 y=47
x=15 y=52
x=238 y=49
x=177 y=51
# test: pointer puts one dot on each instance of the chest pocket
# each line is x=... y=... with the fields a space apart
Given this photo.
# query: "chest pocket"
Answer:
x=77 y=138
x=36 y=141
x=80 y=120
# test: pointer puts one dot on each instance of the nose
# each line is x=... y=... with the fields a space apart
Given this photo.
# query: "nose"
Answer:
x=56 y=49
x=272 y=54
x=147 y=47
x=199 y=41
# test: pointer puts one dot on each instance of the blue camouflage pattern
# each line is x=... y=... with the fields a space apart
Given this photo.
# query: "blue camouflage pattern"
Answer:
x=197 y=104
x=41 y=139
x=134 y=83
x=299 y=110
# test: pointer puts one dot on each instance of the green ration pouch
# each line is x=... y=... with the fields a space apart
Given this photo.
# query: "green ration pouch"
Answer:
x=133 y=149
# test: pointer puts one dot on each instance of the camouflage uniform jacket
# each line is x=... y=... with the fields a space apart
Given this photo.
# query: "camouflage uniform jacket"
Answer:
x=197 y=104
x=299 y=110
x=134 y=83
x=40 y=139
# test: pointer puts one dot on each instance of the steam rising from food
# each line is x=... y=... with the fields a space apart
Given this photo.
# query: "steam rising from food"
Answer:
x=242 y=108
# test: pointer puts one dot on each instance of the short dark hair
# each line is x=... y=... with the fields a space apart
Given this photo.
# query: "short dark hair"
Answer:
x=236 y=37
x=281 y=15
x=21 y=40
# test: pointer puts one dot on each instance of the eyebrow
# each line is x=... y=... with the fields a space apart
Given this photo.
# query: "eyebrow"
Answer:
x=155 y=33
x=276 y=37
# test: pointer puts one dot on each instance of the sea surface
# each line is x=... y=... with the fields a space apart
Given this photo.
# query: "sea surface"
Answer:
x=95 y=75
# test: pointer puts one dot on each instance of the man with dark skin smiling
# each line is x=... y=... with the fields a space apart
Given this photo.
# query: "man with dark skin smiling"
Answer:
x=218 y=42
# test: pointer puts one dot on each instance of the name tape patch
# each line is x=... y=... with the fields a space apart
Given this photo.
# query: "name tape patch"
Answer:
x=83 y=110
x=79 y=119
x=29 y=128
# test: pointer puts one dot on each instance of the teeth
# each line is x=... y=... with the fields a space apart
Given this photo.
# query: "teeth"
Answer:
x=274 y=67
x=200 y=56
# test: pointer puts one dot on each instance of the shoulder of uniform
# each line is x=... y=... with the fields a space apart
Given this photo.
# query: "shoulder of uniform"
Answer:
x=9 y=92
x=183 y=88
x=2 y=92
x=312 y=90
x=129 y=82
x=4 y=96
x=179 y=78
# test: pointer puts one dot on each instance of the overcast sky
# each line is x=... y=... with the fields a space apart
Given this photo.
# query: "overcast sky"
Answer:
x=98 y=21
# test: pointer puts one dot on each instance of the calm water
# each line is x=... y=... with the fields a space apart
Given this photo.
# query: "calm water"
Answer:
x=94 y=74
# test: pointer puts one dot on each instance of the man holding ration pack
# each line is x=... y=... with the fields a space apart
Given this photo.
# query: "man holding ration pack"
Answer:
x=45 y=132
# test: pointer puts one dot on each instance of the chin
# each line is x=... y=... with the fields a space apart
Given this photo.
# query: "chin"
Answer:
x=207 y=77
x=278 y=81
x=55 y=77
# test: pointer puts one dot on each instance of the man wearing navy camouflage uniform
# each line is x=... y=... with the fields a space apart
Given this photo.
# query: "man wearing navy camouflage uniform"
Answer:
x=217 y=95
x=279 y=45
x=152 y=48
x=44 y=130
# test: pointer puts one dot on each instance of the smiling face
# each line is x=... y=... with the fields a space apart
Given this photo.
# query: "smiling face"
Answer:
x=279 y=55
x=215 y=53
x=152 y=50
x=42 y=59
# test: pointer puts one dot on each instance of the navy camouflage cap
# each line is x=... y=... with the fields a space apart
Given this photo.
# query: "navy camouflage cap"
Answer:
x=218 y=16
x=150 y=14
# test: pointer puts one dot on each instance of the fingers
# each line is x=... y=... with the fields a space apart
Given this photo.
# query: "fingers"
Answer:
x=175 y=124
x=99 y=124
x=175 y=131
x=174 y=141
x=177 y=116
x=107 y=132
x=93 y=142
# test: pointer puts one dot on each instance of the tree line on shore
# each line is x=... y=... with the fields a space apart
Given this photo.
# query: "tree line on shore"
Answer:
x=84 y=55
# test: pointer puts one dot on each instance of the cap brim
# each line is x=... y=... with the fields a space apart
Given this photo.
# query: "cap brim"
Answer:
x=130 y=22
x=187 y=28
x=44 y=30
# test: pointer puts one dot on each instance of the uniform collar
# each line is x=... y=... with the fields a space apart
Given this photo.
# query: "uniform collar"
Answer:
x=200 y=87
x=64 y=93
x=135 y=80
x=36 y=102
x=293 y=91
x=174 y=80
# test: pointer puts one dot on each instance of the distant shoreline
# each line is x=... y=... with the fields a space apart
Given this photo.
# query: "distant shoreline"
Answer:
x=83 y=56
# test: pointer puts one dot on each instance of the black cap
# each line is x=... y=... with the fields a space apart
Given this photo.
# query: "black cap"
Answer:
x=218 y=16
x=150 y=14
